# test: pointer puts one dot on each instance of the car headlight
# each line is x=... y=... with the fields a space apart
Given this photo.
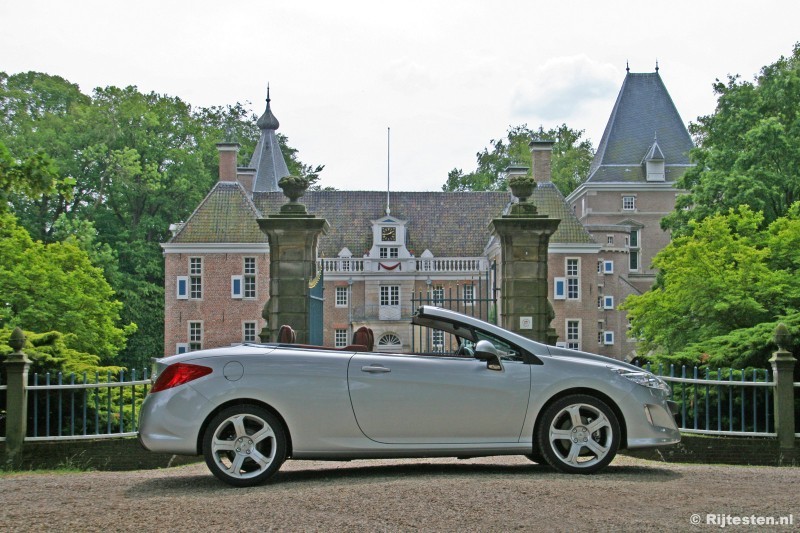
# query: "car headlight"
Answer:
x=645 y=379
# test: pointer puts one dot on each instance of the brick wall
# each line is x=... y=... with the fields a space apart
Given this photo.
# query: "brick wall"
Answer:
x=222 y=316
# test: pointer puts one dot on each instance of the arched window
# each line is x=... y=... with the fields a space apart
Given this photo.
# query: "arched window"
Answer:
x=389 y=340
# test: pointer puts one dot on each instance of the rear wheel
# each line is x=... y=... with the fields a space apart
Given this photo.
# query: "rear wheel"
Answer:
x=244 y=445
x=578 y=434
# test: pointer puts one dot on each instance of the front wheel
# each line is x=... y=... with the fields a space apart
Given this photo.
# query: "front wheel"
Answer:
x=578 y=434
x=244 y=445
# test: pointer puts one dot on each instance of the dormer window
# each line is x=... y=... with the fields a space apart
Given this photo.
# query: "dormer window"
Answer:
x=654 y=163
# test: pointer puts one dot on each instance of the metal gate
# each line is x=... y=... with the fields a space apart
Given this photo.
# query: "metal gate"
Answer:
x=481 y=304
x=315 y=309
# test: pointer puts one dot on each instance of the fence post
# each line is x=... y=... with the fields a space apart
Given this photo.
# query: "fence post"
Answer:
x=783 y=369
x=17 y=365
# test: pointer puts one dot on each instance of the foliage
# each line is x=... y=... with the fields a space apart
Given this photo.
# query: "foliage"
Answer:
x=569 y=166
x=50 y=352
x=136 y=163
x=54 y=287
x=748 y=151
x=721 y=289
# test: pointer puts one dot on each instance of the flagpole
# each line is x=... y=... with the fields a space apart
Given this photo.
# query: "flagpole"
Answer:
x=388 y=162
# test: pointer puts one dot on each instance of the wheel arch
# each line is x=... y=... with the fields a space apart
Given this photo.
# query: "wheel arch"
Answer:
x=244 y=401
x=623 y=437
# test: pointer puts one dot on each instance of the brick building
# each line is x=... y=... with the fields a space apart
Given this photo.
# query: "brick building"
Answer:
x=385 y=250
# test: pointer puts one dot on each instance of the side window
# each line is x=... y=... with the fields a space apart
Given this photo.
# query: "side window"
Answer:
x=507 y=352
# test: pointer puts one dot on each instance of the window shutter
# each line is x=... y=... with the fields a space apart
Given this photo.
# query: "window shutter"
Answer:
x=183 y=288
x=559 y=289
x=237 y=283
x=181 y=347
x=608 y=302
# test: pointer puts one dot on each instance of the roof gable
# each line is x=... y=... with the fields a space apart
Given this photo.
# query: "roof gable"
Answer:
x=226 y=215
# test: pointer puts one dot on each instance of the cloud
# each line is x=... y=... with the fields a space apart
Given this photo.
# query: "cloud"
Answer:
x=564 y=86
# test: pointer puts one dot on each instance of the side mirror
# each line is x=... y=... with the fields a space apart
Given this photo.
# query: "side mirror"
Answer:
x=486 y=351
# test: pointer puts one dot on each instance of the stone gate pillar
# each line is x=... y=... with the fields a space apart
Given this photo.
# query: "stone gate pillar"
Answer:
x=524 y=236
x=293 y=235
x=17 y=365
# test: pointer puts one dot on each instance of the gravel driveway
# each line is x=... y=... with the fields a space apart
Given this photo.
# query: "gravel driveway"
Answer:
x=489 y=494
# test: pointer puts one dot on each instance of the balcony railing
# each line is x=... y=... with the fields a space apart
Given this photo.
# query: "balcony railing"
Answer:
x=341 y=265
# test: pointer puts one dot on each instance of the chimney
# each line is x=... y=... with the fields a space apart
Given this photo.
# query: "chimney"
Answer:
x=228 y=153
x=541 y=152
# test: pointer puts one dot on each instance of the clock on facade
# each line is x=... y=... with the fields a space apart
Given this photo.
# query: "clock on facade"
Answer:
x=388 y=234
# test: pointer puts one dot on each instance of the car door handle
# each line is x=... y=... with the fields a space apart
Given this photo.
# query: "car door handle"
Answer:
x=375 y=369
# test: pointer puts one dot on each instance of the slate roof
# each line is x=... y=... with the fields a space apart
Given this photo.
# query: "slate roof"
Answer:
x=267 y=158
x=643 y=109
x=549 y=201
x=226 y=215
x=449 y=224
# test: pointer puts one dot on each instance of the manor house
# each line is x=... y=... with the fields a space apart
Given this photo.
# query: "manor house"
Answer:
x=387 y=253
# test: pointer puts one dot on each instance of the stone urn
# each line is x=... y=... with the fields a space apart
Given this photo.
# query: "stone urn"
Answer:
x=293 y=188
x=522 y=187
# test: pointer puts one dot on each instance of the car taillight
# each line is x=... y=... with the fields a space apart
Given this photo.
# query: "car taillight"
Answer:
x=178 y=374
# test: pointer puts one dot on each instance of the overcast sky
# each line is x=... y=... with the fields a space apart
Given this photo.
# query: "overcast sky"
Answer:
x=446 y=77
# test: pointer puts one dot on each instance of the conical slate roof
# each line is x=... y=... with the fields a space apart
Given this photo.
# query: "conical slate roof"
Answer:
x=267 y=158
x=643 y=109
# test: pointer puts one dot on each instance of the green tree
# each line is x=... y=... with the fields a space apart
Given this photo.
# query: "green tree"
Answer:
x=138 y=162
x=748 y=150
x=54 y=287
x=569 y=167
x=727 y=276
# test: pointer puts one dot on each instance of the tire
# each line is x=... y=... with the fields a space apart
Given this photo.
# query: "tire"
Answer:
x=578 y=434
x=536 y=456
x=244 y=445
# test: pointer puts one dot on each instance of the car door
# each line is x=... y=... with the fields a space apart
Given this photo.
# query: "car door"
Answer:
x=414 y=399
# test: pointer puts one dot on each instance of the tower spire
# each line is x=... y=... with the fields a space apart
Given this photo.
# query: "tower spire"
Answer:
x=656 y=64
x=627 y=66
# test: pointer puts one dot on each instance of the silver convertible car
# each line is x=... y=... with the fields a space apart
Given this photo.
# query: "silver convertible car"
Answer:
x=248 y=408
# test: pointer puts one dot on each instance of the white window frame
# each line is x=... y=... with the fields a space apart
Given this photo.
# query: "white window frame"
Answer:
x=249 y=277
x=629 y=203
x=389 y=296
x=195 y=278
x=437 y=340
x=572 y=268
x=342 y=298
x=339 y=338
x=247 y=324
x=608 y=302
x=195 y=340
x=573 y=342
x=608 y=338
x=181 y=347
x=437 y=295
x=608 y=266
x=468 y=291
